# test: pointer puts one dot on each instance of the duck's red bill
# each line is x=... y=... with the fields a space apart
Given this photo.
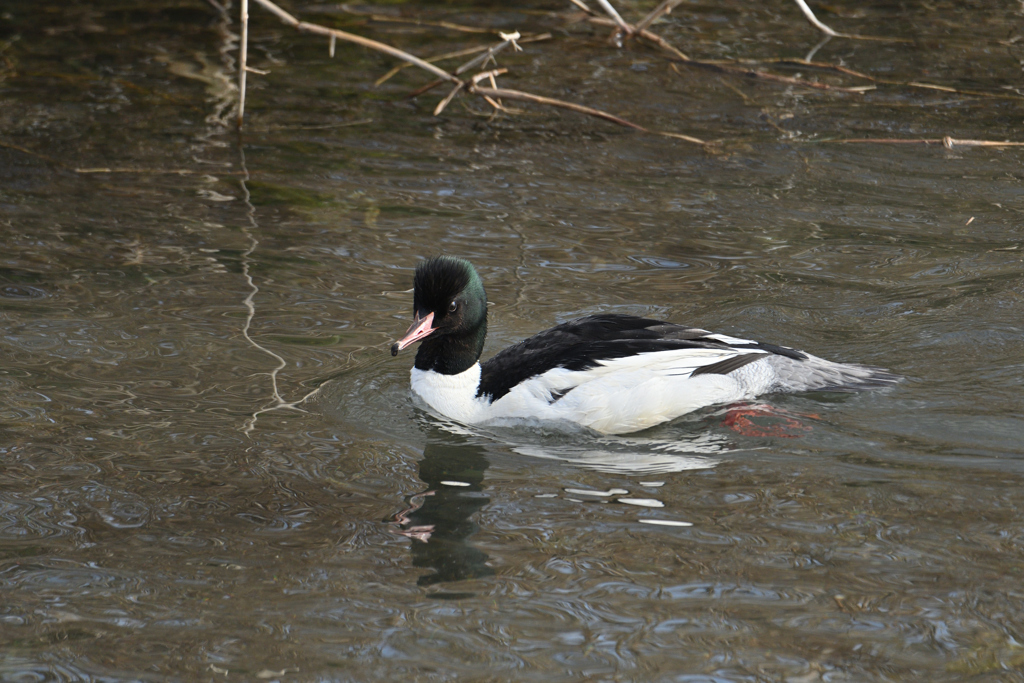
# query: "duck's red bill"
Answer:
x=420 y=328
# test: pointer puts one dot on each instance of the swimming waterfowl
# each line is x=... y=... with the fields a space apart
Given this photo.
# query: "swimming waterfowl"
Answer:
x=612 y=373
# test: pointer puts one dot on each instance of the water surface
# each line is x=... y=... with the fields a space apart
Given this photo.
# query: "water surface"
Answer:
x=164 y=515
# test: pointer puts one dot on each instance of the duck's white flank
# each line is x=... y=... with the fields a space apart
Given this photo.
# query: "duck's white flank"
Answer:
x=617 y=396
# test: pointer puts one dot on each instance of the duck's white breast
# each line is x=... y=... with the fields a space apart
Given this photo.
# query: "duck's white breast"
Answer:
x=453 y=396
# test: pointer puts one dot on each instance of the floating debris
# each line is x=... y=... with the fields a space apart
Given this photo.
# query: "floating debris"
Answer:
x=664 y=522
x=642 y=502
x=591 y=492
x=652 y=484
x=545 y=495
x=454 y=483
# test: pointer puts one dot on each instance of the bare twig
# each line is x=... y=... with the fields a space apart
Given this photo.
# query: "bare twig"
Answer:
x=217 y=6
x=460 y=53
x=751 y=73
x=415 y=22
x=358 y=40
x=820 y=66
x=619 y=21
x=929 y=86
x=489 y=94
x=947 y=142
x=809 y=15
x=152 y=171
x=665 y=7
x=538 y=99
x=448 y=55
x=424 y=88
x=645 y=34
x=476 y=61
x=25 y=150
x=814 y=20
x=243 y=53
x=491 y=51
x=444 y=103
x=489 y=75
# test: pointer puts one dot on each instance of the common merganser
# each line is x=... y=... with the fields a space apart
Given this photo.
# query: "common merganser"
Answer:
x=612 y=373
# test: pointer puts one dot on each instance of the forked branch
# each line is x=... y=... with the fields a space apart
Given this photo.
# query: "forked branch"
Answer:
x=491 y=95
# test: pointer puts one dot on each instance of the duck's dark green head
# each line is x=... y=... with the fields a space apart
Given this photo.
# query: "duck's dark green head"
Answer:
x=449 y=314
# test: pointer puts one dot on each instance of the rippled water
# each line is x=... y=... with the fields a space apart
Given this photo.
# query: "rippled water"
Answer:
x=165 y=516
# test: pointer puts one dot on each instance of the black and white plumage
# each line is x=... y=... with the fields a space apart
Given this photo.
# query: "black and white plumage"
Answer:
x=612 y=373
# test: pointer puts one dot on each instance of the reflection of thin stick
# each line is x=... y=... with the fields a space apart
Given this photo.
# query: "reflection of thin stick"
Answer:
x=421 y=532
x=814 y=50
x=277 y=402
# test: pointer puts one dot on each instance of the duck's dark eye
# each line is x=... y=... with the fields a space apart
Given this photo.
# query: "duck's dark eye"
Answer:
x=453 y=306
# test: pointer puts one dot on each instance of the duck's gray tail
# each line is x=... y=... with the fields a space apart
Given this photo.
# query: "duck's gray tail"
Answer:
x=817 y=374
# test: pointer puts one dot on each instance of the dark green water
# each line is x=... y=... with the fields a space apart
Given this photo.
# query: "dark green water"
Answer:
x=165 y=516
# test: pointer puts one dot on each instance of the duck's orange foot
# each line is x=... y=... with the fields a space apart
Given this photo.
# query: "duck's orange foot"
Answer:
x=764 y=420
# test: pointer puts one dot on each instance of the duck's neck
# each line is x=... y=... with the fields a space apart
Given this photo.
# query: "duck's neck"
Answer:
x=452 y=354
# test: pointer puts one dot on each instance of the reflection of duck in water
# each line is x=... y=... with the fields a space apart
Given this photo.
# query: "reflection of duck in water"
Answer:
x=612 y=373
x=438 y=520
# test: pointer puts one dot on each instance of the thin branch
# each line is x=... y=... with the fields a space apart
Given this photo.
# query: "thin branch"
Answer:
x=539 y=99
x=505 y=93
x=243 y=54
x=488 y=74
x=619 y=21
x=358 y=40
x=645 y=34
x=476 y=61
x=490 y=94
x=821 y=66
x=947 y=142
x=152 y=171
x=25 y=150
x=751 y=73
x=491 y=51
x=221 y=9
x=814 y=20
x=439 y=58
x=444 y=103
x=415 y=22
x=460 y=53
x=665 y=7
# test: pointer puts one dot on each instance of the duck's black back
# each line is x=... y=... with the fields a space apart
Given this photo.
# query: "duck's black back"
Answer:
x=584 y=343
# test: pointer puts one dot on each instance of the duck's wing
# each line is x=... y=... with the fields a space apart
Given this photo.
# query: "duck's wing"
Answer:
x=589 y=342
